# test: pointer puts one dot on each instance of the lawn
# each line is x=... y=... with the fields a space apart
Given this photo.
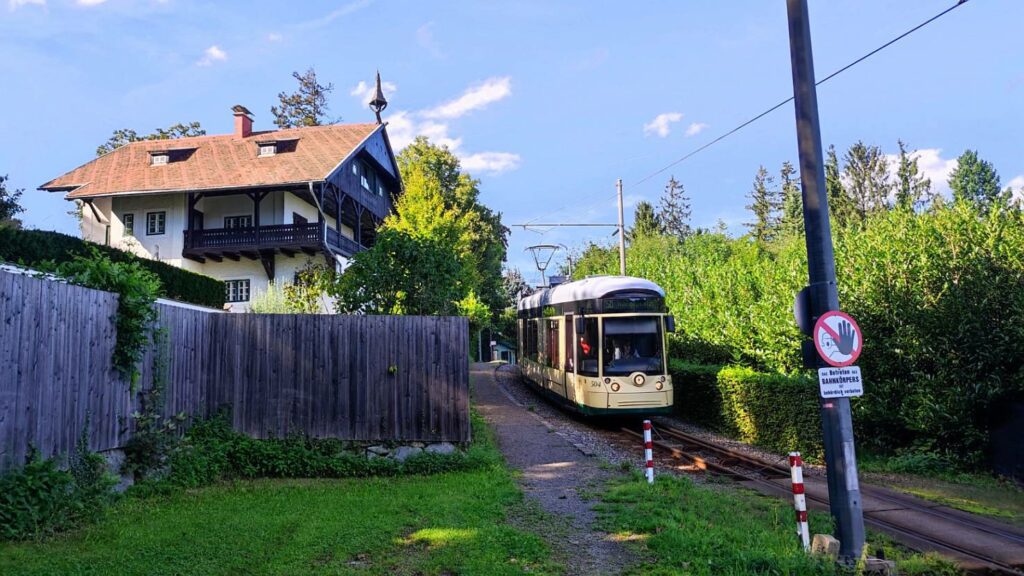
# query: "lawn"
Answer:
x=719 y=529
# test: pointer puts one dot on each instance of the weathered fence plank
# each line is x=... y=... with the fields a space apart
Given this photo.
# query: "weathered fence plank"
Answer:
x=372 y=378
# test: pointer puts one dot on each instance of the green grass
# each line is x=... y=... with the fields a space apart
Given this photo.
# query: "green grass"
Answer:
x=471 y=522
x=940 y=482
x=716 y=529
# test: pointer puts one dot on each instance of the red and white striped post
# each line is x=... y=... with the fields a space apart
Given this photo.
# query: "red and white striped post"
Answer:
x=796 y=467
x=649 y=452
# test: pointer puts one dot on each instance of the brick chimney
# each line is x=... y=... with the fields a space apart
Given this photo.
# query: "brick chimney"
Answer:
x=243 y=121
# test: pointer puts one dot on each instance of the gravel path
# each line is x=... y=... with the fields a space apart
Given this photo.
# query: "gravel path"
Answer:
x=555 y=469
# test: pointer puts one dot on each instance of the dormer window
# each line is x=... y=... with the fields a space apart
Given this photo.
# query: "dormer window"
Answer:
x=268 y=149
x=159 y=159
x=164 y=157
x=274 y=147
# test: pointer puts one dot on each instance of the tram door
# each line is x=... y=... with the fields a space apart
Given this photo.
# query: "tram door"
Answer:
x=569 y=358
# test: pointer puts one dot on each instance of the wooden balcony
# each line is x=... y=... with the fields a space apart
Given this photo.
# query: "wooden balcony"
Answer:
x=259 y=242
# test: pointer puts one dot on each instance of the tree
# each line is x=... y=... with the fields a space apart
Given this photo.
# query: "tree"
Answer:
x=975 y=180
x=674 y=210
x=127 y=135
x=401 y=274
x=645 y=223
x=866 y=174
x=912 y=188
x=839 y=203
x=792 y=202
x=305 y=107
x=765 y=205
x=514 y=285
x=441 y=201
x=9 y=207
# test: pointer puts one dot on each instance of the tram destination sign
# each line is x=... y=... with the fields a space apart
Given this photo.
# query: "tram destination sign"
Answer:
x=842 y=382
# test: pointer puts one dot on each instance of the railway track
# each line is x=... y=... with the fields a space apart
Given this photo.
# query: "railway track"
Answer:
x=978 y=545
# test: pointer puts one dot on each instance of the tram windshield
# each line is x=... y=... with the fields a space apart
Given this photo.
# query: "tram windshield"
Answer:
x=632 y=345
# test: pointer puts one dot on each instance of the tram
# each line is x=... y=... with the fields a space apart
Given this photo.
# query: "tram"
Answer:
x=598 y=345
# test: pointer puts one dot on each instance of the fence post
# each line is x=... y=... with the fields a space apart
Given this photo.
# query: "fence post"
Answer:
x=796 y=467
x=648 y=452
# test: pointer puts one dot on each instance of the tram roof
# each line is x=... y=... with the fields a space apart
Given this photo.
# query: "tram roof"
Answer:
x=587 y=289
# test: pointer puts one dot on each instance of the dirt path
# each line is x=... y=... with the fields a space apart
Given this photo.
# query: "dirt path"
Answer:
x=553 y=474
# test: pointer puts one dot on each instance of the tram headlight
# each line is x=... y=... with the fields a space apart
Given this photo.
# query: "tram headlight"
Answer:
x=607 y=380
x=615 y=386
x=638 y=380
x=659 y=385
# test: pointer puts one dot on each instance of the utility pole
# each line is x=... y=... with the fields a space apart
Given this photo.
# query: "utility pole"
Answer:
x=836 y=419
x=622 y=232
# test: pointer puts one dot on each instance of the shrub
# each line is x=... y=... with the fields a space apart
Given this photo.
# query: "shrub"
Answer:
x=40 y=499
x=697 y=397
x=30 y=247
x=137 y=291
x=776 y=411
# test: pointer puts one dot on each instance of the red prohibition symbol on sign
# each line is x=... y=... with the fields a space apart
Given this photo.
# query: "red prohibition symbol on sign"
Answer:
x=838 y=338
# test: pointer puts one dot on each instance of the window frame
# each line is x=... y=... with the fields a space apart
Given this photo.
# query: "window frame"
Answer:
x=232 y=286
x=266 y=150
x=129 y=229
x=235 y=218
x=159 y=159
x=162 y=215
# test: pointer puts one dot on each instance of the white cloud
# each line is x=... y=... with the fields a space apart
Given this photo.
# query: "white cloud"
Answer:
x=274 y=37
x=475 y=98
x=425 y=38
x=364 y=90
x=89 y=2
x=661 y=122
x=1017 y=182
x=404 y=126
x=212 y=54
x=15 y=4
x=931 y=165
x=493 y=162
x=695 y=128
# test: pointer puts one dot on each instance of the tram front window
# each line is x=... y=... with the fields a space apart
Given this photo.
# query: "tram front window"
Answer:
x=632 y=345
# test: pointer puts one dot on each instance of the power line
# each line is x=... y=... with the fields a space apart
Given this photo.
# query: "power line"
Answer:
x=818 y=83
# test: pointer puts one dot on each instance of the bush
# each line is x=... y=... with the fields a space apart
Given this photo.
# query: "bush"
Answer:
x=776 y=411
x=40 y=499
x=30 y=247
x=696 y=394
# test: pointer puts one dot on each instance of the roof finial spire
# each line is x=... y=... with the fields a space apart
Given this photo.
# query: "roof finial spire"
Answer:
x=379 y=103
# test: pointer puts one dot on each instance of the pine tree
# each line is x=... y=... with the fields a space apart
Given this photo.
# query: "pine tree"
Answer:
x=645 y=223
x=305 y=107
x=975 y=180
x=866 y=179
x=765 y=206
x=792 y=202
x=912 y=188
x=674 y=210
x=839 y=204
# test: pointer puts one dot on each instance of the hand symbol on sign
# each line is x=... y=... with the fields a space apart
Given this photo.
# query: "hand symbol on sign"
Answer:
x=846 y=334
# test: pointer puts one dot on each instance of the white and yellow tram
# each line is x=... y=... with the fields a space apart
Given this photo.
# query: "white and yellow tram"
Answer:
x=598 y=345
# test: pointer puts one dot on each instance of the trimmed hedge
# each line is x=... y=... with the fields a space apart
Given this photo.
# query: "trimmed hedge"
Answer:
x=775 y=411
x=30 y=247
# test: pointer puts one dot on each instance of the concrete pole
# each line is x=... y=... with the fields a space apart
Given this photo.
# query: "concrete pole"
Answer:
x=622 y=231
x=836 y=418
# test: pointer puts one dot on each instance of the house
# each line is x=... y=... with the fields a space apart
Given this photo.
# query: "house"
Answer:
x=248 y=207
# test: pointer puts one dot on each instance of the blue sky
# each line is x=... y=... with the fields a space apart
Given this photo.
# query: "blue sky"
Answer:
x=546 y=102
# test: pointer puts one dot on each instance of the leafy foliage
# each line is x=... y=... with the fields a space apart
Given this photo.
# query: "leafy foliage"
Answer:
x=307 y=295
x=40 y=499
x=305 y=107
x=9 y=207
x=765 y=205
x=792 y=219
x=137 y=290
x=974 y=180
x=32 y=247
x=155 y=436
x=866 y=180
x=645 y=222
x=912 y=188
x=126 y=136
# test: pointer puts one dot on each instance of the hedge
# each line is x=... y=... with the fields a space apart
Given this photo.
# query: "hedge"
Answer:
x=775 y=411
x=30 y=247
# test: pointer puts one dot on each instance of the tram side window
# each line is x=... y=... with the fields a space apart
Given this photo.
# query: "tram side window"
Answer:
x=531 y=340
x=587 y=347
x=551 y=344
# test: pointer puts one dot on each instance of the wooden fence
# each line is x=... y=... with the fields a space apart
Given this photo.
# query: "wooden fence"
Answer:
x=372 y=378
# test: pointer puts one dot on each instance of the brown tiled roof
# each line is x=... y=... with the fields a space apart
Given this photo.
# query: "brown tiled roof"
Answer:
x=218 y=162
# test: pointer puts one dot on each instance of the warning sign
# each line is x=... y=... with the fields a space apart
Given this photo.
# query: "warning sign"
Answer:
x=840 y=382
x=837 y=338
